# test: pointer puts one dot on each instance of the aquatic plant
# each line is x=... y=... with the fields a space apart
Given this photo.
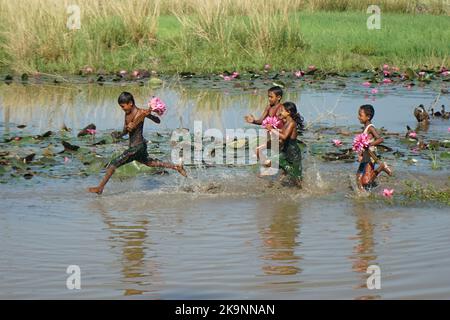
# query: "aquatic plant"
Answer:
x=157 y=105
x=337 y=142
x=273 y=122
x=299 y=73
x=360 y=142
x=434 y=160
x=388 y=193
x=415 y=191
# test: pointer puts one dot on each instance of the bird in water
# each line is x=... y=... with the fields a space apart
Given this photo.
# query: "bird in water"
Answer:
x=437 y=113
x=421 y=114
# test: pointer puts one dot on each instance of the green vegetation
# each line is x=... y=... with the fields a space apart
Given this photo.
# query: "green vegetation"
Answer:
x=213 y=36
x=416 y=192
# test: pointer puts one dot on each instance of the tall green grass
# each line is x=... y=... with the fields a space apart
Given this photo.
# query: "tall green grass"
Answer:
x=216 y=35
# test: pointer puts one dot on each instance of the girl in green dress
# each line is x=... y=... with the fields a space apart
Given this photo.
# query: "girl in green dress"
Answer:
x=290 y=152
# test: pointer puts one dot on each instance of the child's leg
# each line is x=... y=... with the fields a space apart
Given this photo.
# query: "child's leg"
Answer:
x=359 y=182
x=360 y=174
x=160 y=164
x=261 y=157
x=369 y=175
x=259 y=151
x=101 y=186
x=126 y=157
x=383 y=167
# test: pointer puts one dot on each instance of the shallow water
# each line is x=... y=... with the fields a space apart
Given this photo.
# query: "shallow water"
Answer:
x=222 y=233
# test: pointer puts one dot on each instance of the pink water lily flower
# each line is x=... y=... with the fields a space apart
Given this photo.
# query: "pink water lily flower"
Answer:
x=445 y=73
x=386 y=66
x=386 y=73
x=412 y=135
x=157 y=105
x=136 y=73
x=235 y=75
x=91 y=131
x=227 y=78
x=299 y=73
x=422 y=73
x=374 y=91
x=88 y=70
x=386 y=80
x=267 y=66
x=66 y=160
x=274 y=122
x=361 y=142
x=388 y=193
x=366 y=84
x=448 y=129
x=337 y=142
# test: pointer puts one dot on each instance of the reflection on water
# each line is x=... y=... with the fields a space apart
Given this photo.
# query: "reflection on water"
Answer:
x=140 y=274
x=180 y=246
x=280 y=239
x=364 y=250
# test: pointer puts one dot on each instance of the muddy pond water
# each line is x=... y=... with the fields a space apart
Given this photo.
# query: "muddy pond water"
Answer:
x=223 y=232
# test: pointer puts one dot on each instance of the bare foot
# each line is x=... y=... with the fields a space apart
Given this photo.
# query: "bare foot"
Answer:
x=181 y=170
x=96 y=190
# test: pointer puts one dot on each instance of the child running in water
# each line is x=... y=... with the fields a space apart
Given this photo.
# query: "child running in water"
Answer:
x=367 y=173
x=137 y=144
x=290 y=152
x=275 y=94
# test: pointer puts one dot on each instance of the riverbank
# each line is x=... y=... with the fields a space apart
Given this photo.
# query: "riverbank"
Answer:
x=213 y=39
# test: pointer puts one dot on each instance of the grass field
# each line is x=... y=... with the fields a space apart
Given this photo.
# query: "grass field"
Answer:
x=175 y=36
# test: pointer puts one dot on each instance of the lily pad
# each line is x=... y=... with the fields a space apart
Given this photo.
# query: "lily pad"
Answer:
x=155 y=82
x=445 y=155
x=133 y=169
x=238 y=144
x=445 y=144
x=69 y=147
x=410 y=73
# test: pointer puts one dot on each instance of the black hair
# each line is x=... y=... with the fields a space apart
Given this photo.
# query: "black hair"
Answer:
x=292 y=109
x=276 y=90
x=368 y=110
x=125 y=97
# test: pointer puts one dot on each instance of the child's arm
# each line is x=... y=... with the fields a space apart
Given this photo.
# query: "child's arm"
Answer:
x=284 y=134
x=154 y=118
x=142 y=114
x=378 y=139
x=251 y=119
x=120 y=134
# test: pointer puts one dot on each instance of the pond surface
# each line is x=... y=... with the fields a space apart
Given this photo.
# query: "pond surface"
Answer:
x=221 y=233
